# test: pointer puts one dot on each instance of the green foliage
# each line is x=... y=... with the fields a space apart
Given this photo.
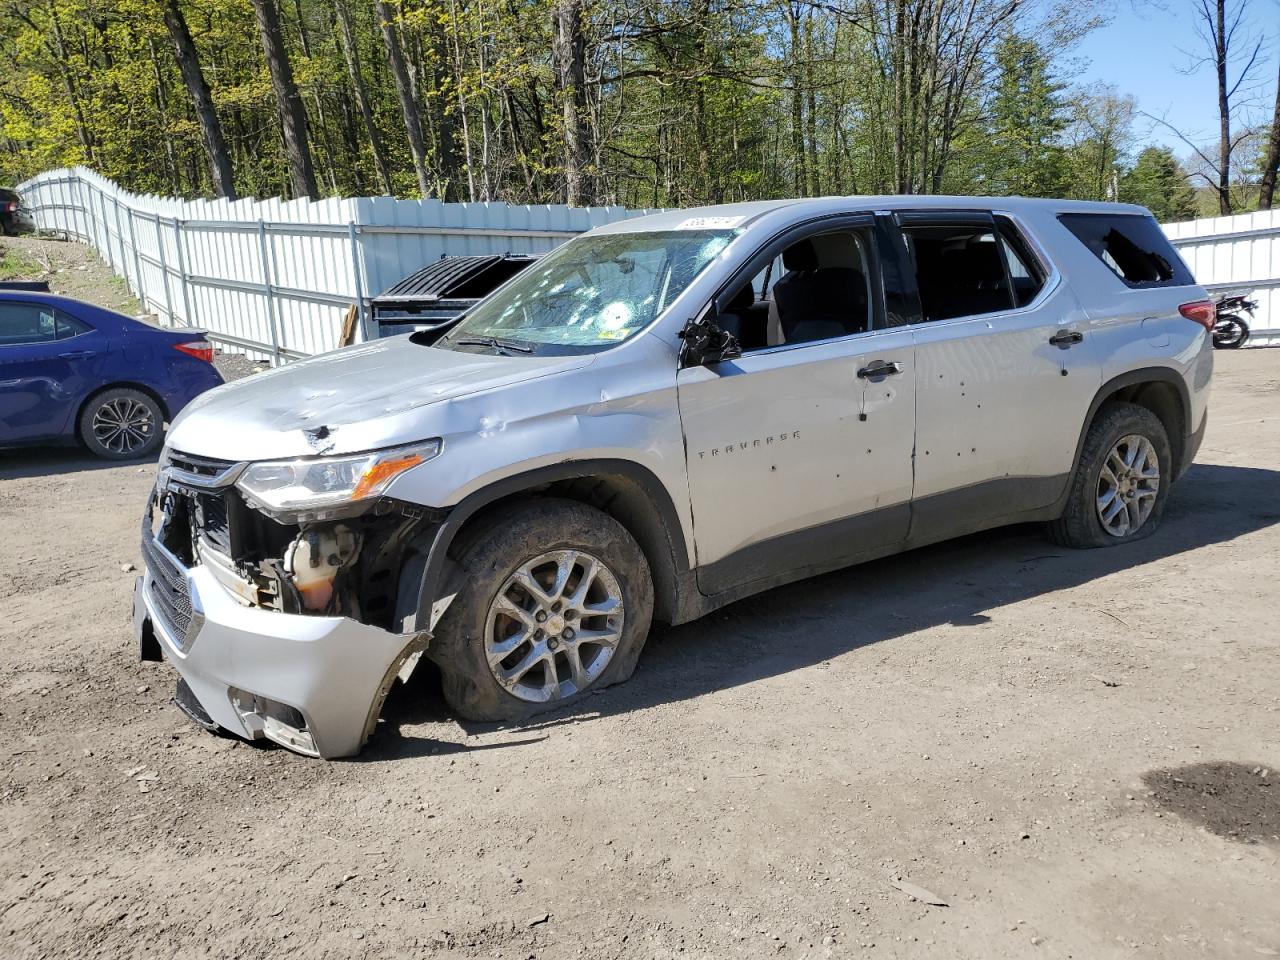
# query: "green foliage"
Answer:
x=16 y=265
x=687 y=101
x=1028 y=115
x=1099 y=138
x=1158 y=182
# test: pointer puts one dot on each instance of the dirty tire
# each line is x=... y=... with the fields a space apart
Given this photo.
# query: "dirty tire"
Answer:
x=142 y=412
x=495 y=549
x=1080 y=526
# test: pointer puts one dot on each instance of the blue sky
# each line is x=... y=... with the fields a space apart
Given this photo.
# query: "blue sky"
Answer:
x=1141 y=51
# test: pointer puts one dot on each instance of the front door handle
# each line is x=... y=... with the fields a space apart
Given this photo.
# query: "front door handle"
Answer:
x=75 y=355
x=879 y=369
x=1065 y=338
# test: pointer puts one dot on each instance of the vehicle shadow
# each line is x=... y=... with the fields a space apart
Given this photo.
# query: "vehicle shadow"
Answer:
x=27 y=462
x=391 y=743
x=419 y=702
x=960 y=582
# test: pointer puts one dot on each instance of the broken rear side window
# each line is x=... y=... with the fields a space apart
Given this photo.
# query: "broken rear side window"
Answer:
x=1132 y=246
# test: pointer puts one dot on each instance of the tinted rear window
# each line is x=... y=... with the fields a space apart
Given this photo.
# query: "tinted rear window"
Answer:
x=961 y=269
x=22 y=323
x=1132 y=246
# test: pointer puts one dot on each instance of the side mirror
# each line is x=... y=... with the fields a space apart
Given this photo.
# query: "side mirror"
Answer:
x=706 y=341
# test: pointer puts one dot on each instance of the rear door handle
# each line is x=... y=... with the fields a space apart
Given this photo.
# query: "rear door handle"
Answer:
x=1065 y=338
x=75 y=354
x=879 y=369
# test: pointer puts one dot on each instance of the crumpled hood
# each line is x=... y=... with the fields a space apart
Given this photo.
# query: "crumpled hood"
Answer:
x=360 y=398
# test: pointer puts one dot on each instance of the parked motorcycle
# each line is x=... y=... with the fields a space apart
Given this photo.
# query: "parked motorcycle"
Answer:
x=1229 y=330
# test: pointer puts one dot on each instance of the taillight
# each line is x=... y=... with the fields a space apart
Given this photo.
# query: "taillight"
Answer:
x=200 y=349
x=1203 y=312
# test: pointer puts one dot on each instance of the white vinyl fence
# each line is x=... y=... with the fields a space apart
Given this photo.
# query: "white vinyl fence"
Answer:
x=1241 y=253
x=274 y=279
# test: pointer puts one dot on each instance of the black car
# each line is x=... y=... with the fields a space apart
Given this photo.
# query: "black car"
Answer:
x=10 y=203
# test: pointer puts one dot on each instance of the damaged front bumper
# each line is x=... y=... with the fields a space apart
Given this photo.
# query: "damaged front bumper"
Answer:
x=260 y=653
x=313 y=684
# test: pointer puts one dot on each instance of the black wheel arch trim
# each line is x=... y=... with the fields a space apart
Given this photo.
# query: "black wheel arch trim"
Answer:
x=437 y=567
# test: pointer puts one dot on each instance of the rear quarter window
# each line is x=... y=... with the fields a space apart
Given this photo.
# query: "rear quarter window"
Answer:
x=68 y=326
x=1132 y=246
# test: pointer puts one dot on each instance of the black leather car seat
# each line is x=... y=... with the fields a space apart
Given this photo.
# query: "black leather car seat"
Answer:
x=822 y=295
x=965 y=278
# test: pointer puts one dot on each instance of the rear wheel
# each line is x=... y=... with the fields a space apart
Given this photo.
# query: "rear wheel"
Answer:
x=122 y=424
x=1121 y=484
x=557 y=603
x=1230 y=332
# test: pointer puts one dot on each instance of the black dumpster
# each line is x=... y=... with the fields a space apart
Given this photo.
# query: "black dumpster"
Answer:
x=438 y=293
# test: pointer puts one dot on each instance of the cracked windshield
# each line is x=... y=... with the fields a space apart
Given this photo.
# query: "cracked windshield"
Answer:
x=592 y=293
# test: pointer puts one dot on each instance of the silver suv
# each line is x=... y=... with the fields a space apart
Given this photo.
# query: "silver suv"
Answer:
x=661 y=417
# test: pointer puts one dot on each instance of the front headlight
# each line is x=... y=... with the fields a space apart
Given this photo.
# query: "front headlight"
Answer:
x=321 y=485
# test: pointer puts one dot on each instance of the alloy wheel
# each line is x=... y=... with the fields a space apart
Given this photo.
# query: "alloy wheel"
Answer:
x=554 y=626
x=1128 y=485
x=123 y=425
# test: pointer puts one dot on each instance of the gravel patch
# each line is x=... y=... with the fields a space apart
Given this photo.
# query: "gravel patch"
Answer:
x=234 y=366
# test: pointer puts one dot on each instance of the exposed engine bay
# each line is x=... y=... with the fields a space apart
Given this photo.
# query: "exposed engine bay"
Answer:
x=349 y=566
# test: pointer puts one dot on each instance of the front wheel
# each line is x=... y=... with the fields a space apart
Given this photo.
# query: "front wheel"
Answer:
x=1230 y=332
x=557 y=602
x=1121 y=483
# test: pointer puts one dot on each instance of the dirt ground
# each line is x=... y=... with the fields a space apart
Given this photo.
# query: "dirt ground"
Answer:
x=71 y=269
x=1078 y=752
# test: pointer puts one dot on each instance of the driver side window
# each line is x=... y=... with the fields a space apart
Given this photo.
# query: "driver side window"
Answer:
x=818 y=288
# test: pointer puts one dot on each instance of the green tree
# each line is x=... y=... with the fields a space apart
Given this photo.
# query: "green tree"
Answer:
x=1028 y=114
x=643 y=103
x=1158 y=182
x=1100 y=138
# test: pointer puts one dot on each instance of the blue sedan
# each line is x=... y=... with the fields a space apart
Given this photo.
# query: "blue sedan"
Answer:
x=73 y=371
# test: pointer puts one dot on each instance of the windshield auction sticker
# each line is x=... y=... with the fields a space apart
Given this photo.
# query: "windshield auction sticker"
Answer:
x=709 y=223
